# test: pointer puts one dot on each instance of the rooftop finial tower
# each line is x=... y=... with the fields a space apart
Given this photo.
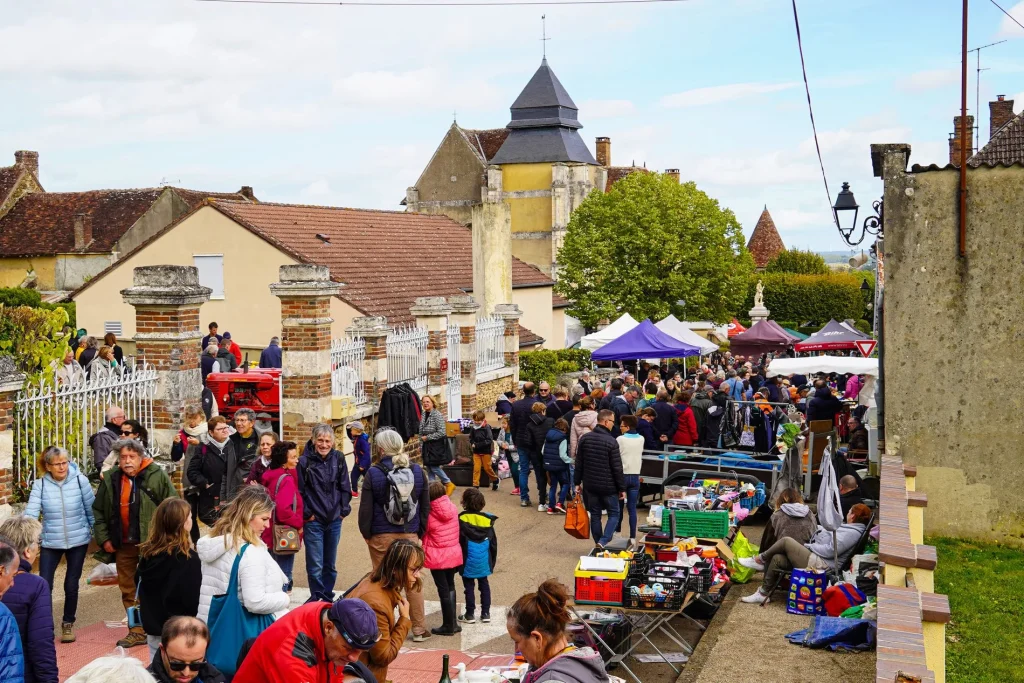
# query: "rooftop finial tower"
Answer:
x=544 y=37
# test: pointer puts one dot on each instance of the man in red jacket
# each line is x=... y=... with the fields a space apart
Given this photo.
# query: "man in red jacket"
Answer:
x=315 y=643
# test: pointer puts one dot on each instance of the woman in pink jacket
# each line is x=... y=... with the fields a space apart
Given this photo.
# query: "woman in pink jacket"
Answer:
x=584 y=422
x=443 y=554
x=283 y=484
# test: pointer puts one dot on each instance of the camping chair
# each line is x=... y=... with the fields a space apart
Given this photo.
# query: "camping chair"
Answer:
x=833 y=575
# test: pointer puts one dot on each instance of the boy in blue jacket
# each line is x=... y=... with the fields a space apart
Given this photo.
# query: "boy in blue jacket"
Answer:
x=479 y=553
x=360 y=453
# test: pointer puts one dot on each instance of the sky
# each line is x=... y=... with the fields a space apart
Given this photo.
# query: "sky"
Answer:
x=344 y=106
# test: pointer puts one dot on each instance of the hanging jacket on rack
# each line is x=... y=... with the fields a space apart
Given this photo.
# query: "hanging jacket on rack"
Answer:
x=400 y=409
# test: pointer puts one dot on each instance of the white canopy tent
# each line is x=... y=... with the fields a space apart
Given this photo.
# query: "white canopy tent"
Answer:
x=811 y=364
x=592 y=342
x=677 y=329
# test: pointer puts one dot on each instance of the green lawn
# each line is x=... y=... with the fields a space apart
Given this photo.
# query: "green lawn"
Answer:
x=985 y=585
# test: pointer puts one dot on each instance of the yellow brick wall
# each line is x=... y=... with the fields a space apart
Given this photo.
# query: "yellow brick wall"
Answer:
x=488 y=392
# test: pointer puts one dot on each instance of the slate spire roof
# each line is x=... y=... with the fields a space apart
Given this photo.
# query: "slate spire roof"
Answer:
x=544 y=124
x=765 y=242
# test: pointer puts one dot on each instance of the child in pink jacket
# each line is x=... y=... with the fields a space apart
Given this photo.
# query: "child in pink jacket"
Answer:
x=443 y=554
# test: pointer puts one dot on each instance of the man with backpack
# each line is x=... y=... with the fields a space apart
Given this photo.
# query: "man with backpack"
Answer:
x=326 y=495
x=395 y=503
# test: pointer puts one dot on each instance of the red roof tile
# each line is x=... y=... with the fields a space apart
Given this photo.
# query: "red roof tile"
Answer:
x=529 y=338
x=617 y=173
x=8 y=179
x=485 y=143
x=1006 y=146
x=765 y=243
x=423 y=255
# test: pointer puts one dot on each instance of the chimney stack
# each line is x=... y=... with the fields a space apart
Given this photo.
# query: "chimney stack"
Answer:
x=246 y=192
x=955 y=142
x=604 y=152
x=83 y=231
x=672 y=173
x=28 y=161
x=999 y=113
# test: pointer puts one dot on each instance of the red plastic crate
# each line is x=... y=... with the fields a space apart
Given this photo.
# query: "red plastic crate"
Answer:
x=599 y=591
x=666 y=555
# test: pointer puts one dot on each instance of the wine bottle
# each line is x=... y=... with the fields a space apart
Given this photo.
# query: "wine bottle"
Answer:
x=444 y=672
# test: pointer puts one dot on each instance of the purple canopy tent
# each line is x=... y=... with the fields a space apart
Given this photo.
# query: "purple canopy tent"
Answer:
x=764 y=336
x=644 y=341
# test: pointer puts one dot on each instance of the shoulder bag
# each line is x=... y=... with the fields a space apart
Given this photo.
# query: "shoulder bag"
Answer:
x=286 y=538
x=577 y=521
x=231 y=624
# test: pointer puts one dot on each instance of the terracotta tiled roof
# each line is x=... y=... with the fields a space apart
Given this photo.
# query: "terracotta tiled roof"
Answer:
x=485 y=143
x=1006 y=146
x=384 y=258
x=765 y=243
x=43 y=223
x=617 y=173
x=559 y=302
x=529 y=338
x=8 y=178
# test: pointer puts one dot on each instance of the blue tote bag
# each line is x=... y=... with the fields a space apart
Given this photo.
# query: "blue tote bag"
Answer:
x=231 y=624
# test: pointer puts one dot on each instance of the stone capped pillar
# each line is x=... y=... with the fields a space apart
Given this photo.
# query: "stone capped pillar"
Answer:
x=431 y=313
x=373 y=330
x=511 y=314
x=11 y=382
x=167 y=336
x=305 y=292
x=492 y=245
x=464 y=312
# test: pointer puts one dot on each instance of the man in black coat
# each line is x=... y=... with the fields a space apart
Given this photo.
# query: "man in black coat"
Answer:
x=520 y=415
x=532 y=444
x=824 y=405
x=599 y=476
x=665 y=420
x=561 y=405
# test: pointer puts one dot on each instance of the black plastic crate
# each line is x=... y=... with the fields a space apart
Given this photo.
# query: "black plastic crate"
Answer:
x=672 y=598
x=701 y=577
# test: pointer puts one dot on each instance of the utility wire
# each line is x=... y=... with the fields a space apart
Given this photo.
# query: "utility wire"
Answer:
x=810 y=109
x=438 y=3
x=1012 y=18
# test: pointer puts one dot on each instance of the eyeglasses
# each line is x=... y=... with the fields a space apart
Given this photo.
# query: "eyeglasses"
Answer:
x=59 y=464
x=178 y=665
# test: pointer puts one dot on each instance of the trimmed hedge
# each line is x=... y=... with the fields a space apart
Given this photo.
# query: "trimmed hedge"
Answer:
x=13 y=297
x=545 y=365
x=810 y=298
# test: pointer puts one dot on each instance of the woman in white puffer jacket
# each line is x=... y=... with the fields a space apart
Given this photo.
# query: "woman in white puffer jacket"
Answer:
x=260 y=580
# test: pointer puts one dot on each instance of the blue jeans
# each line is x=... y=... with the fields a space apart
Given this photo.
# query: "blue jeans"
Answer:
x=629 y=505
x=49 y=558
x=559 y=478
x=286 y=563
x=596 y=503
x=525 y=465
x=485 y=596
x=435 y=472
x=321 y=550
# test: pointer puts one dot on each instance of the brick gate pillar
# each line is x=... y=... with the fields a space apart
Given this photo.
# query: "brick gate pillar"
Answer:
x=305 y=292
x=11 y=382
x=373 y=330
x=167 y=336
x=431 y=313
x=511 y=314
x=464 y=310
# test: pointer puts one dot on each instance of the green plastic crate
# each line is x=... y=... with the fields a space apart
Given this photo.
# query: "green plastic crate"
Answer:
x=712 y=524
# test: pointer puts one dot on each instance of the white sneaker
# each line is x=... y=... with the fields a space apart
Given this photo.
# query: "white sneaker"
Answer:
x=751 y=563
x=542 y=508
x=756 y=598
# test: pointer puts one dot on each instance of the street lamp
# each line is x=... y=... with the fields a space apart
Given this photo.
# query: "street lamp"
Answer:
x=846 y=205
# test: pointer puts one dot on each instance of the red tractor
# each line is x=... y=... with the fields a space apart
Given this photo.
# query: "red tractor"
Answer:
x=255 y=388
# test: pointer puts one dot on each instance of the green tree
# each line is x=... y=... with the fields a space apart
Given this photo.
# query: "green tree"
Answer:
x=799 y=262
x=648 y=243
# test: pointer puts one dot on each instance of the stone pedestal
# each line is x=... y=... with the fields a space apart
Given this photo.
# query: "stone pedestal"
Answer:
x=373 y=330
x=511 y=314
x=167 y=336
x=305 y=292
x=431 y=313
x=758 y=313
x=464 y=312
x=11 y=382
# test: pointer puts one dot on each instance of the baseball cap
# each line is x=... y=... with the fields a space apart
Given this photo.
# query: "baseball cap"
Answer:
x=356 y=622
x=226 y=335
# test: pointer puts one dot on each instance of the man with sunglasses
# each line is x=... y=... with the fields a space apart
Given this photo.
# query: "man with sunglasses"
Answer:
x=318 y=642
x=182 y=654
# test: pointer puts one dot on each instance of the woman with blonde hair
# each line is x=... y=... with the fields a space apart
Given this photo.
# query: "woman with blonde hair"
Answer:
x=170 y=574
x=103 y=365
x=260 y=581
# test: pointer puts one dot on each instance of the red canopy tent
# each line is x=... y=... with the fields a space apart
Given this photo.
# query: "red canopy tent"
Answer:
x=735 y=328
x=834 y=336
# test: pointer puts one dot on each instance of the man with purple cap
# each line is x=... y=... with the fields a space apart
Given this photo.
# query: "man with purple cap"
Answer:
x=318 y=642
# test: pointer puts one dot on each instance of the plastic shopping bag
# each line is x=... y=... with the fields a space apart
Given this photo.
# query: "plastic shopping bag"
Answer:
x=806 y=592
x=741 y=547
x=103 y=575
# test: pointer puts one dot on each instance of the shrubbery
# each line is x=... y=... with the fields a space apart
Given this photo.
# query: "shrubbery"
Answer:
x=810 y=298
x=545 y=365
x=19 y=296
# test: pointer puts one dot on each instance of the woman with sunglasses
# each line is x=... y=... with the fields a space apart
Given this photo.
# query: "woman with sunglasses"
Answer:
x=130 y=429
x=398 y=571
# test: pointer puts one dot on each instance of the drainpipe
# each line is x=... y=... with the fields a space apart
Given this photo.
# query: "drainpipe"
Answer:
x=963 y=140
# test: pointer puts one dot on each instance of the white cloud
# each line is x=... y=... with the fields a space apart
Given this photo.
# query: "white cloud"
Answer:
x=1008 y=28
x=604 y=109
x=931 y=79
x=316 y=189
x=718 y=94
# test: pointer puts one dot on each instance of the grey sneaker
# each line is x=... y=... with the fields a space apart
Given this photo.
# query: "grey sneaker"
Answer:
x=467 y=618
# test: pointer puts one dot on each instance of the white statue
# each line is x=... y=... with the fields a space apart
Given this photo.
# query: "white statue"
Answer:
x=759 y=295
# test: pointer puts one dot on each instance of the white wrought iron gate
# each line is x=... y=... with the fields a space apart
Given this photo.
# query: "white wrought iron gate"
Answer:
x=454 y=373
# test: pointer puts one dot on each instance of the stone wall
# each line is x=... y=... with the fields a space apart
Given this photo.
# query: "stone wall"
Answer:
x=953 y=329
x=487 y=392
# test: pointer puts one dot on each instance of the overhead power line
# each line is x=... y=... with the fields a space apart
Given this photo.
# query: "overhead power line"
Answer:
x=1012 y=18
x=439 y=3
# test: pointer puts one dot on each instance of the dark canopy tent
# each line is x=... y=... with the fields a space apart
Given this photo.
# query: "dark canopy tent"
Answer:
x=832 y=337
x=644 y=341
x=764 y=336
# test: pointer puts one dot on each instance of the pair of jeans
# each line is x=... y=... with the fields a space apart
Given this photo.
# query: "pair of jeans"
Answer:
x=528 y=462
x=321 y=539
x=559 y=480
x=286 y=562
x=49 y=558
x=435 y=472
x=485 y=596
x=357 y=474
x=513 y=468
x=629 y=504
x=595 y=503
